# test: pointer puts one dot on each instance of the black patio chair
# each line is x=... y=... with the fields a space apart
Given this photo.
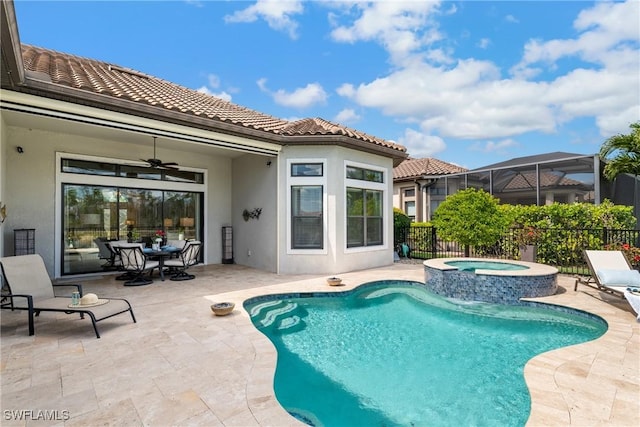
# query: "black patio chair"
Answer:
x=190 y=255
x=136 y=264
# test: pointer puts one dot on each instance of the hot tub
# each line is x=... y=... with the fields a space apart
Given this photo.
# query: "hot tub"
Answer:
x=489 y=280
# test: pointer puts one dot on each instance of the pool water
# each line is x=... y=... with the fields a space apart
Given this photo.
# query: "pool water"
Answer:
x=485 y=265
x=392 y=354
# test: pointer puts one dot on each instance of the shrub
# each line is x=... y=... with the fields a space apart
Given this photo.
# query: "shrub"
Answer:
x=470 y=217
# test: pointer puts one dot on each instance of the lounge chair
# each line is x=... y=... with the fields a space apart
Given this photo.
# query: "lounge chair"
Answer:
x=31 y=289
x=610 y=272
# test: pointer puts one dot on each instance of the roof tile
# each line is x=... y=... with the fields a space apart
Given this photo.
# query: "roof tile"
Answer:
x=119 y=82
x=416 y=168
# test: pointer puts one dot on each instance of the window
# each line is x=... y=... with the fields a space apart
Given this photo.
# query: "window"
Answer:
x=364 y=217
x=363 y=174
x=438 y=190
x=88 y=167
x=306 y=169
x=306 y=217
x=410 y=192
x=365 y=206
x=410 y=209
x=306 y=205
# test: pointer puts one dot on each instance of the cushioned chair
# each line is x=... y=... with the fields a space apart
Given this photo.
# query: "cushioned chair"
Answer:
x=610 y=272
x=114 y=247
x=31 y=289
x=106 y=253
x=190 y=255
x=136 y=264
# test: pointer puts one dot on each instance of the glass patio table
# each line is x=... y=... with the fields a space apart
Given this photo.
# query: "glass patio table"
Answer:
x=160 y=255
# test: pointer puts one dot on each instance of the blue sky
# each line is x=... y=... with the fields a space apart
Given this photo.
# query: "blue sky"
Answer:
x=468 y=82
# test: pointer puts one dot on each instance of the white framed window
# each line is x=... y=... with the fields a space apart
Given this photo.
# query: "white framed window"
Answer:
x=366 y=206
x=410 y=209
x=306 y=206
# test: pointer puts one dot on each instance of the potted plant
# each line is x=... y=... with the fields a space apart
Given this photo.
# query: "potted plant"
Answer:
x=527 y=239
x=159 y=238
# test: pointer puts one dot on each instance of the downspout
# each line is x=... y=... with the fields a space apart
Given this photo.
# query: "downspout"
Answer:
x=278 y=210
x=596 y=180
x=537 y=184
x=423 y=183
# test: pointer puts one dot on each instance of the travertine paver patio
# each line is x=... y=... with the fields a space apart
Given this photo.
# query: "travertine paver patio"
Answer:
x=180 y=365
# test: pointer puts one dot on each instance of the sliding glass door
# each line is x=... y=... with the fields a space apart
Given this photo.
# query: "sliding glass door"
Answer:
x=92 y=212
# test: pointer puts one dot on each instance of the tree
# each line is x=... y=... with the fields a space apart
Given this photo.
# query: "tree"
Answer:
x=627 y=153
x=626 y=157
x=470 y=217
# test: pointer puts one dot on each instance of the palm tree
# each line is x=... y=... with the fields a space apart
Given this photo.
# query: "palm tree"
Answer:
x=626 y=157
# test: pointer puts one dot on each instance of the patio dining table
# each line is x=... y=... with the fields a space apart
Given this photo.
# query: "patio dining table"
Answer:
x=160 y=256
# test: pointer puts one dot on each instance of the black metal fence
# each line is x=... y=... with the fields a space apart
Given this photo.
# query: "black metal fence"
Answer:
x=562 y=248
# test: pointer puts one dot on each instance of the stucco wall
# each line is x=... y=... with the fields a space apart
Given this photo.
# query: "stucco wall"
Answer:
x=3 y=168
x=30 y=188
x=255 y=186
x=337 y=258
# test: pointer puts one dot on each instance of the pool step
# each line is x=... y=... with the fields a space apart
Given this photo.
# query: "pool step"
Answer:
x=282 y=316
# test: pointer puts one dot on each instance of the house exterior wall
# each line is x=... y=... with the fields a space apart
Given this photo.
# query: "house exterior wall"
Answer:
x=3 y=168
x=335 y=257
x=255 y=186
x=30 y=188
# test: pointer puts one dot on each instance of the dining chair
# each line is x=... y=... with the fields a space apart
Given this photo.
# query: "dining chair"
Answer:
x=189 y=256
x=137 y=264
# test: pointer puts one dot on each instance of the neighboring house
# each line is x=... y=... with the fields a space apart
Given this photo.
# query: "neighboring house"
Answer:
x=418 y=189
x=286 y=197
x=531 y=180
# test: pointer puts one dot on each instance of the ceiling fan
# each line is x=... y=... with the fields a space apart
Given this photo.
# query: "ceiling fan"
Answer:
x=157 y=163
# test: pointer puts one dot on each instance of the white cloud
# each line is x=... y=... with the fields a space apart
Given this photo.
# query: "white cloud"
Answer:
x=276 y=13
x=214 y=80
x=303 y=97
x=512 y=19
x=472 y=99
x=347 y=116
x=484 y=43
x=346 y=90
x=421 y=145
x=223 y=95
x=401 y=27
x=499 y=147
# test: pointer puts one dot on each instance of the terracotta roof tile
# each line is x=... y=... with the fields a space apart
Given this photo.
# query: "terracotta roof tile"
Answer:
x=527 y=181
x=318 y=126
x=415 y=168
x=123 y=83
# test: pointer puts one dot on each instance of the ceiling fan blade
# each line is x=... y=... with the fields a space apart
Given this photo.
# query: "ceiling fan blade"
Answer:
x=170 y=164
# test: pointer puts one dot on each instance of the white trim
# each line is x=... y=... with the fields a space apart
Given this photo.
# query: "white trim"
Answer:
x=100 y=180
x=307 y=180
x=367 y=185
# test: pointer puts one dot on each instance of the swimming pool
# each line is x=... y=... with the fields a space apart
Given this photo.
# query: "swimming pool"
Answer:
x=467 y=265
x=392 y=353
x=497 y=281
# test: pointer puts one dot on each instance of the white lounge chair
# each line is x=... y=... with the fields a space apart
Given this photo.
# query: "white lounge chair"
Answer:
x=31 y=289
x=610 y=272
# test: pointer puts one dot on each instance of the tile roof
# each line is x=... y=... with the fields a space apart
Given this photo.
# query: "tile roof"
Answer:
x=416 y=168
x=527 y=181
x=100 y=77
